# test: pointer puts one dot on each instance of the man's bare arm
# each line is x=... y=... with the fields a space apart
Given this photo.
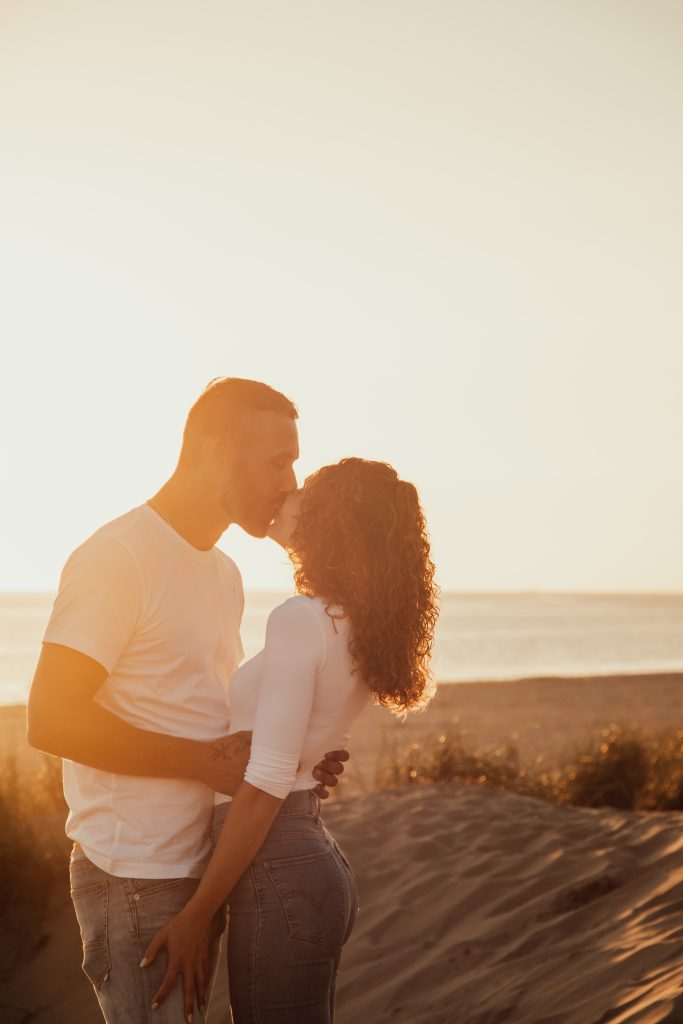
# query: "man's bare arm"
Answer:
x=63 y=719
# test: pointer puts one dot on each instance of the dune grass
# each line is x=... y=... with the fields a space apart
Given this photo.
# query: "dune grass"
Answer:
x=33 y=847
x=622 y=768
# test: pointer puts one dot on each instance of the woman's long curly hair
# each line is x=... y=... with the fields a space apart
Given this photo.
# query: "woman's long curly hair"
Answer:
x=360 y=543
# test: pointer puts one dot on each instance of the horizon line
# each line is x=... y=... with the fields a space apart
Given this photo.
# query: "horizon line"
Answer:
x=452 y=591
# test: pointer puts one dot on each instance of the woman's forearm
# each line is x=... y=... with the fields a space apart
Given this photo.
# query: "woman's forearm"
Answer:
x=247 y=824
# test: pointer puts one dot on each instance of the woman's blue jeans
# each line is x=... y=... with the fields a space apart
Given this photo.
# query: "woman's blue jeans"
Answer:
x=290 y=914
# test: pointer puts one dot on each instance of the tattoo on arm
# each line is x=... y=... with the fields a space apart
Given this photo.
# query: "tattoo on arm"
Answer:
x=228 y=749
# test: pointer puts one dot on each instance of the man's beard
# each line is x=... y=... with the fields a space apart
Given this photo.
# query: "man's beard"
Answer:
x=248 y=515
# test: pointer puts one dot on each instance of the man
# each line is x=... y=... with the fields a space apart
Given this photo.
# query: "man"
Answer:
x=131 y=686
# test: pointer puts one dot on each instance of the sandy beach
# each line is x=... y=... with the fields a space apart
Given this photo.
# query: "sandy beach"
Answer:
x=477 y=906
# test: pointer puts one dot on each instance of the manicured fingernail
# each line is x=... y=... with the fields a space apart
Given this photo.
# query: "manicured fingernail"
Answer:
x=143 y=962
x=155 y=1006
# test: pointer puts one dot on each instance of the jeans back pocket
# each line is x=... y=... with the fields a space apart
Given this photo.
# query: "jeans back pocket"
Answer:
x=91 y=903
x=311 y=895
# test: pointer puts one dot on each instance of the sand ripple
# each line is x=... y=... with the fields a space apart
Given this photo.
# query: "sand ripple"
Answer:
x=483 y=907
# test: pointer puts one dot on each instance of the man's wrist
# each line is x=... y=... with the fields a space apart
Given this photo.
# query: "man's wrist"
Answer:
x=220 y=764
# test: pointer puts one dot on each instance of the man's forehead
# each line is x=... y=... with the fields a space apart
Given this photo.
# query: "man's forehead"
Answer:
x=274 y=431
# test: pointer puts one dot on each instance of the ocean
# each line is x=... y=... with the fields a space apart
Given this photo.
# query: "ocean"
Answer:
x=479 y=636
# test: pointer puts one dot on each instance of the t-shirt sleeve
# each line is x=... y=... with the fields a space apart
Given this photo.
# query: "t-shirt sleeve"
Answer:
x=99 y=601
x=293 y=654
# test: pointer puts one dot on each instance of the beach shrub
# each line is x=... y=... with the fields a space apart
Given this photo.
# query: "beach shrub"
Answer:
x=622 y=768
x=614 y=772
x=446 y=759
x=33 y=848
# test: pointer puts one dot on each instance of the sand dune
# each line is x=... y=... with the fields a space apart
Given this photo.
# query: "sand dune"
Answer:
x=477 y=907
x=483 y=907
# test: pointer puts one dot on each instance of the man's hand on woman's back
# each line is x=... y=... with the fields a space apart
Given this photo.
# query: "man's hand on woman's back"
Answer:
x=223 y=763
x=327 y=770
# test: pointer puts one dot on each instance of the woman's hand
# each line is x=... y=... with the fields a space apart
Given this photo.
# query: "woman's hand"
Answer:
x=187 y=937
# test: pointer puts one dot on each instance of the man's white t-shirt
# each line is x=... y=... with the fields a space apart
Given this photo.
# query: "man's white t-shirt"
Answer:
x=163 y=618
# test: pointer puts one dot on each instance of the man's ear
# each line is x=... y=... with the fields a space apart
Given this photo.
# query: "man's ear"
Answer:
x=218 y=451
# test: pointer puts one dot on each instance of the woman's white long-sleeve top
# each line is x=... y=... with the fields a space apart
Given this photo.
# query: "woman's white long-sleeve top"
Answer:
x=299 y=695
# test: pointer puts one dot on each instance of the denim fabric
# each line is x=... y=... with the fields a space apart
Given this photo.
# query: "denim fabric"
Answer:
x=290 y=915
x=118 y=917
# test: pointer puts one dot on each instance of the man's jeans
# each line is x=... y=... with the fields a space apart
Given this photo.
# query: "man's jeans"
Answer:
x=118 y=918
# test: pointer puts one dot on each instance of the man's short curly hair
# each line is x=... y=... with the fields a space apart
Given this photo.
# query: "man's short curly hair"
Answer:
x=361 y=544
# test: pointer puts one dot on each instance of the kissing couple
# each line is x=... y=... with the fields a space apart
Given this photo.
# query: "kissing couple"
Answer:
x=194 y=786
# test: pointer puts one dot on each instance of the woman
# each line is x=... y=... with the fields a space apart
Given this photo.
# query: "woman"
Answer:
x=361 y=626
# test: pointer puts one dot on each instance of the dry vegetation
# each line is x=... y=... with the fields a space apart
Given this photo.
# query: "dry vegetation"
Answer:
x=622 y=768
x=33 y=853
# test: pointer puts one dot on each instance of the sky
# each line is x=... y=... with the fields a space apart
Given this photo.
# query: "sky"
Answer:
x=451 y=232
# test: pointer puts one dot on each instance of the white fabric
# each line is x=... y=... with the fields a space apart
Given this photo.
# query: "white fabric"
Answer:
x=163 y=618
x=299 y=695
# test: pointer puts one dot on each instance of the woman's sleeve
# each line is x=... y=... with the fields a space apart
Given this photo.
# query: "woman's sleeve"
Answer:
x=293 y=654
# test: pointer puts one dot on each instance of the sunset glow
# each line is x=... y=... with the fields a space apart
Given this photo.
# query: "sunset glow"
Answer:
x=463 y=257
